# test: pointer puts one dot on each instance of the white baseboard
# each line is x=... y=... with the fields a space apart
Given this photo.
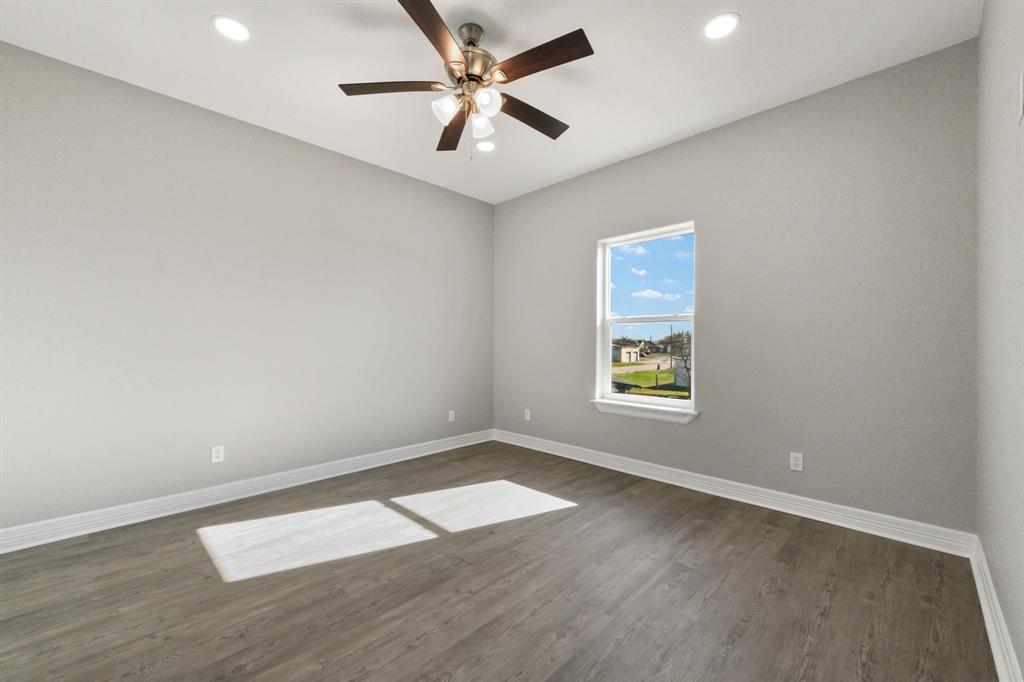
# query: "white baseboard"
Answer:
x=1007 y=665
x=41 y=532
x=948 y=540
x=926 y=535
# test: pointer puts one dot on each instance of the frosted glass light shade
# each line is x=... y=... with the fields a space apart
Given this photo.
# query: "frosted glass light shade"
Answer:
x=445 y=108
x=481 y=126
x=488 y=100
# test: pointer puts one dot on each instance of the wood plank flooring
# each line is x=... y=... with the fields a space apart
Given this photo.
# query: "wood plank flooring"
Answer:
x=639 y=581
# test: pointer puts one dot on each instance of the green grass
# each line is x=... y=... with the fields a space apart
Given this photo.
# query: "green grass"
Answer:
x=646 y=377
x=647 y=381
x=626 y=364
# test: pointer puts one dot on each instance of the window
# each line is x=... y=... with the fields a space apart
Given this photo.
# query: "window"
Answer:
x=645 y=324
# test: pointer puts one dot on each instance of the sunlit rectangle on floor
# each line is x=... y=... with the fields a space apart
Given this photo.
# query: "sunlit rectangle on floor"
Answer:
x=482 y=504
x=247 y=549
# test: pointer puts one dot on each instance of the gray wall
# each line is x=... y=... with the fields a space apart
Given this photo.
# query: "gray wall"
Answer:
x=174 y=279
x=835 y=311
x=1001 y=307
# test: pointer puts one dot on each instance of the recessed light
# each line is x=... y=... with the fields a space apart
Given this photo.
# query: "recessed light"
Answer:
x=231 y=28
x=721 y=25
x=485 y=146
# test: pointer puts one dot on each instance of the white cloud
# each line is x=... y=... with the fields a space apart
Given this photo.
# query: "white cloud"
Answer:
x=678 y=236
x=638 y=272
x=683 y=255
x=689 y=308
x=656 y=295
x=637 y=250
x=668 y=280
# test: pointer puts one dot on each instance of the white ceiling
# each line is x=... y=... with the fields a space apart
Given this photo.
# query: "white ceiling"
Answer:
x=653 y=78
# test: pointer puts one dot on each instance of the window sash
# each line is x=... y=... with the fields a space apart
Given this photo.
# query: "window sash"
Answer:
x=622 y=319
x=603 y=388
x=604 y=374
x=649 y=235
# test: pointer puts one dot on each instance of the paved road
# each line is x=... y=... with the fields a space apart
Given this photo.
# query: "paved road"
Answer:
x=649 y=363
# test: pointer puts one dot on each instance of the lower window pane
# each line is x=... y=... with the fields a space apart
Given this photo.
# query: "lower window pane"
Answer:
x=652 y=359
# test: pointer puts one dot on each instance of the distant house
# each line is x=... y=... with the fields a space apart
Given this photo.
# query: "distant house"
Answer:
x=648 y=347
x=625 y=353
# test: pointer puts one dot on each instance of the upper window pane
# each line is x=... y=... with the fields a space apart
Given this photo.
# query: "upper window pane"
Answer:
x=653 y=277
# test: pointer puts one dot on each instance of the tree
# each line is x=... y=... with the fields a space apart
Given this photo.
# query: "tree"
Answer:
x=623 y=341
x=678 y=345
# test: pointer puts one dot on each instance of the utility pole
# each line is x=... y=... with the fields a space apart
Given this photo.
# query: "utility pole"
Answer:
x=671 y=357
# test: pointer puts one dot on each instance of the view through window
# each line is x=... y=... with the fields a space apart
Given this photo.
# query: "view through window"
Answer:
x=647 y=326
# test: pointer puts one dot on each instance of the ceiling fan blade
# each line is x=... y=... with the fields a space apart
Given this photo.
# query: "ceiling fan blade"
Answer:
x=391 y=86
x=430 y=22
x=452 y=132
x=533 y=117
x=555 y=52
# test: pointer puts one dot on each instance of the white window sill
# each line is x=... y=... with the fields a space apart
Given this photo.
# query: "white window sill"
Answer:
x=631 y=409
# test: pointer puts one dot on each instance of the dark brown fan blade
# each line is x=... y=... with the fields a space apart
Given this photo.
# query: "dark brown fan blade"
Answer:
x=533 y=117
x=555 y=52
x=390 y=86
x=430 y=22
x=452 y=132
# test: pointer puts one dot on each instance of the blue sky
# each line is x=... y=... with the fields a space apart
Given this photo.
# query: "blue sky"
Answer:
x=653 y=277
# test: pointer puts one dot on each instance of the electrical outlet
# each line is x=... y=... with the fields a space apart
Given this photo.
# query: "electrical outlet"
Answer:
x=526 y=415
x=217 y=454
x=796 y=461
x=451 y=415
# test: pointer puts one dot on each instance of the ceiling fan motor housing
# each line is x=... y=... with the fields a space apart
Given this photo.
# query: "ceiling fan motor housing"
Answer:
x=478 y=60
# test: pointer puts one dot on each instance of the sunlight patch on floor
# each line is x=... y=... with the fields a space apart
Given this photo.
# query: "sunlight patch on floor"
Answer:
x=248 y=549
x=482 y=504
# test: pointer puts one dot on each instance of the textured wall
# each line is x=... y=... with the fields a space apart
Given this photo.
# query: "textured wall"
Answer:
x=174 y=279
x=1001 y=307
x=835 y=311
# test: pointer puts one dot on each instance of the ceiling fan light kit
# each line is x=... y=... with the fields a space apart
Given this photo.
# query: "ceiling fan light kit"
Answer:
x=445 y=108
x=481 y=125
x=473 y=72
x=488 y=101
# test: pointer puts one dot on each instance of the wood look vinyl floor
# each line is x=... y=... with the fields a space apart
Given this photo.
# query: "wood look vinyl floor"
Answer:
x=639 y=581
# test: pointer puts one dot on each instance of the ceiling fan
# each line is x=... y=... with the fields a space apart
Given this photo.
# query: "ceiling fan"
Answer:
x=473 y=72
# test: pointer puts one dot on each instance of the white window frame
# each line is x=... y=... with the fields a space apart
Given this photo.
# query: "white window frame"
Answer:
x=647 y=407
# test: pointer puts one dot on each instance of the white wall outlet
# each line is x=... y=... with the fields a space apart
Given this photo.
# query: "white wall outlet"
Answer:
x=451 y=415
x=526 y=415
x=796 y=461
x=217 y=454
